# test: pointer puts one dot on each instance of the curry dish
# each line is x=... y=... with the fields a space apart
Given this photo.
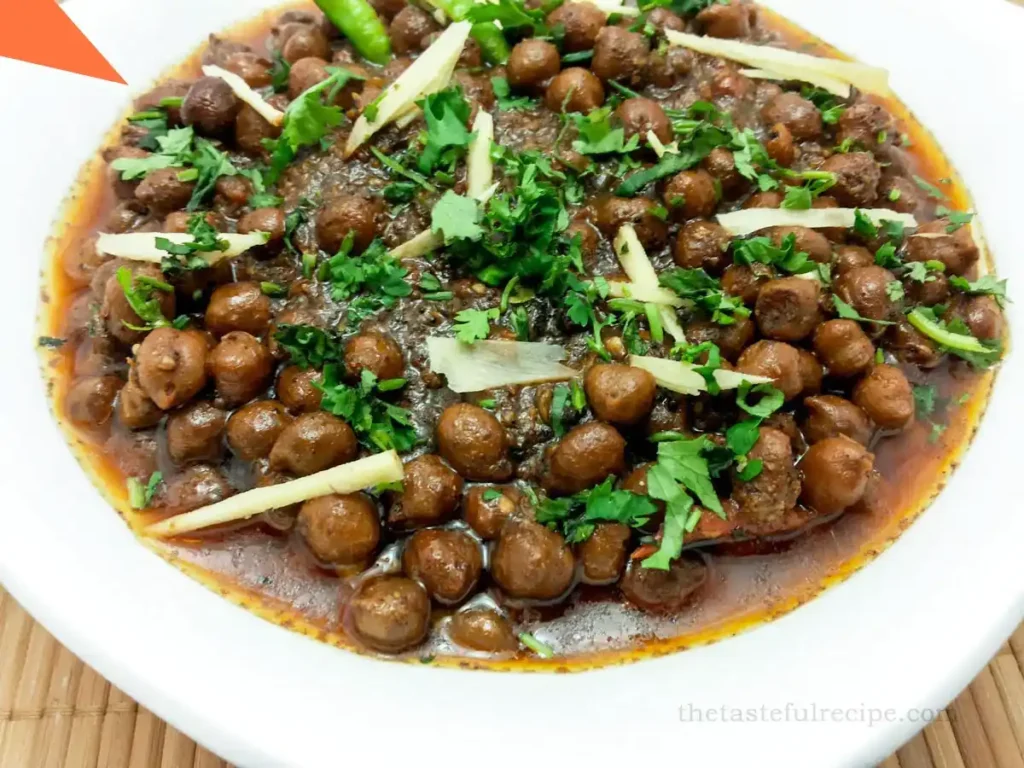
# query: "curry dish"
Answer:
x=523 y=335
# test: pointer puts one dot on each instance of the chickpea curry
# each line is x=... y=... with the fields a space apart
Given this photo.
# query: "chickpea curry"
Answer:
x=508 y=332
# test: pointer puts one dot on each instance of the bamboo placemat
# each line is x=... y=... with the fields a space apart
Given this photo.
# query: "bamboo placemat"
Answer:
x=55 y=712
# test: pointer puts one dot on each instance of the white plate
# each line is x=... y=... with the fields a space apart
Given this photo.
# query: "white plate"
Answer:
x=909 y=631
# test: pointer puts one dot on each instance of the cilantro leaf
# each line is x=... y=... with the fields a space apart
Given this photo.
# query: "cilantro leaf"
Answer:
x=770 y=401
x=378 y=424
x=446 y=114
x=597 y=135
x=506 y=101
x=474 y=324
x=185 y=256
x=925 y=397
x=706 y=293
x=456 y=218
x=139 y=293
x=140 y=495
x=576 y=515
x=308 y=346
x=377 y=278
x=986 y=285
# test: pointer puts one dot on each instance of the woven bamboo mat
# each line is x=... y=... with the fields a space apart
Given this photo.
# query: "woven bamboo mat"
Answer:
x=55 y=712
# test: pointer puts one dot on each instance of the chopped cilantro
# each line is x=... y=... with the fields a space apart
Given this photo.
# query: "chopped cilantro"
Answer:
x=308 y=346
x=706 y=294
x=447 y=138
x=472 y=325
x=139 y=292
x=863 y=225
x=986 y=285
x=185 y=256
x=771 y=399
x=374 y=274
x=140 y=495
x=506 y=101
x=456 y=218
x=894 y=290
x=886 y=256
x=925 y=397
x=598 y=136
x=931 y=189
x=378 y=424
x=956 y=218
x=543 y=650
x=576 y=515
x=280 y=72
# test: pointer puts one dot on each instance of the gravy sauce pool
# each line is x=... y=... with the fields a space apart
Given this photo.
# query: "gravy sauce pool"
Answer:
x=749 y=582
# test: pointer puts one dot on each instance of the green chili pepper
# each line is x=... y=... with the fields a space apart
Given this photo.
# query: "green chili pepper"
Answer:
x=486 y=33
x=945 y=337
x=359 y=23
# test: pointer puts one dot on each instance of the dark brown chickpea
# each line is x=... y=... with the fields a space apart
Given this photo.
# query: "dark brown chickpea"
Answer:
x=731 y=339
x=613 y=212
x=843 y=347
x=603 y=555
x=849 y=257
x=703 y=245
x=340 y=529
x=304 y=74
x=251 y=129
x=770 y=199
x=662 y=19
x=296 y=388
x=776 y=359
x=787 y=308
x=798 y=114
x=638 y=116
x=932 y=242
x=195 y=433
x=348 y=214
x=135 y=410
x=249 y=66
x=620 y=394
x=238 y=307
x=304 y=43
x=721 y=164
x=532 y=64
x=447 y=563
x=171 y=366
x=581 y=21
x=780 y=146
x=830 y=416
x=620 y=55
x=934 y=290
x=195 y=486
x=409 y=29
x=728 y=21
x=253 y=429
x=313 y=442
x=657 y=591
x=745 y=282
x=483 y=630
x=866 y=290
x=376 y=353
x=473 y=441
x=835 y=474
x=210 y=106
x=984 y=317
x=269 y=220
x=162 y=191
x=862 y=123
x=857 y=177
x=90 y=400
x=486 y=508
x=767 y=498
x=691 y=194
x=430 y=494
x=389 y=614
x=584 y=457
x=531 y=562
x=811 y=242
x=240 y=367
x=886 y=397
x=575 y=88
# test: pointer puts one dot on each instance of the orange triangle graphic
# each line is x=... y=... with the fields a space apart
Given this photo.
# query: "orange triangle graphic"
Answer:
x=39 y=32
